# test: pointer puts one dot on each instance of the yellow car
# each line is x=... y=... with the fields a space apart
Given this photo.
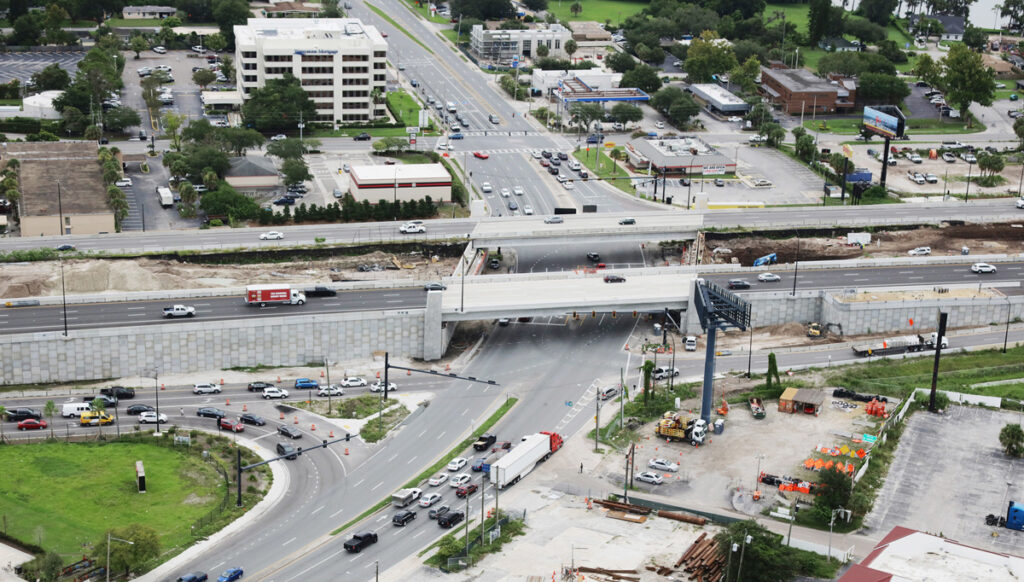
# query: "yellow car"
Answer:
x=92 y=417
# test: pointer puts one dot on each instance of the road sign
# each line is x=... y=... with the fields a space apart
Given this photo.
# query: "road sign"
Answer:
x=412 y=130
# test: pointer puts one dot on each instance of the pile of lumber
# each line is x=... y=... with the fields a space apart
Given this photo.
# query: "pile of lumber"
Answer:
x=612 y=574
x=627 y=507
x=703 y=561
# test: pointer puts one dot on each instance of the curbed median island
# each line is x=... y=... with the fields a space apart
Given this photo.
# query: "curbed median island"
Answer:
x=366 y=414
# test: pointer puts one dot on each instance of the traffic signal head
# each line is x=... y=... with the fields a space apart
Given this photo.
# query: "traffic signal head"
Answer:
x=348 y=436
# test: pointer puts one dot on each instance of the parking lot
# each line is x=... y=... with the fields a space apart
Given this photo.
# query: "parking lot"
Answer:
x=22 y=66
x=948 y=473
x=186 y=93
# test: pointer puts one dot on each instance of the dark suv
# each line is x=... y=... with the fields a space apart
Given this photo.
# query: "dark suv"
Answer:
x=403 y=517
x=108 y=401
x=193 y=577
x=119 y=392
x=360 y=541
x=450 y=519
x=20 y=414
x=259 y=386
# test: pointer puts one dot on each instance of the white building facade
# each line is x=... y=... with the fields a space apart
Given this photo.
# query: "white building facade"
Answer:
x=338 y=61
x=502 y=46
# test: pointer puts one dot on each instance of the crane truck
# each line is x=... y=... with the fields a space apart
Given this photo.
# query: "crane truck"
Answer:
x=523 y=457
x=899 y=345
x=673 y=426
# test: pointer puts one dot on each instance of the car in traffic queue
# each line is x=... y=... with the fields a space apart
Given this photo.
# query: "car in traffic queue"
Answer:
x=231 y=424
x=289 y=431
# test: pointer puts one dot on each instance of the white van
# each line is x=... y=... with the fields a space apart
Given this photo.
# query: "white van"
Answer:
x=74 y=409
x=691 y=343
x=450 y=106
x=608 y=393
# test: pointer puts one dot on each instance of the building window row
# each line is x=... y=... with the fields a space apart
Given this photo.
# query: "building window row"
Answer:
x=327 y=118
x=359 y=105
x=248 y=66
x=313 y=94
x=248 y=54
x=277 y=58
x=380 y=78
x=355 y=70
x=379 y=65
x=355 y=117
x=317 y=70
x=248 y=79
x=355 y=93
x=318 y=58
x=321 y=82
x=354 y=58
x=350 y=81
x=380 y=54
x=277 y=70
x=324 y=105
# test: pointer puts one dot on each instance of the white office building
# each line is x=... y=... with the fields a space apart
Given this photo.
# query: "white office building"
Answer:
x=338 y=61
x=501 y=46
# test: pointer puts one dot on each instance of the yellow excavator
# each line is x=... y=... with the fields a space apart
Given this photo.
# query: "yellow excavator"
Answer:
x=816 y=329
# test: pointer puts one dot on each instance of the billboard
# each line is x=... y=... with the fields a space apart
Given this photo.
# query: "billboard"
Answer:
x=886 y=121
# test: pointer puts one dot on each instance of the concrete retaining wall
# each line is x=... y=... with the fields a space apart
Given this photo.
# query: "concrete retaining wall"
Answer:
x=194 y=346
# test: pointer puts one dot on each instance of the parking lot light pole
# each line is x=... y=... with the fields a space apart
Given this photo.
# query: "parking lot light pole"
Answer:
x=156 y=388
x=109 y=538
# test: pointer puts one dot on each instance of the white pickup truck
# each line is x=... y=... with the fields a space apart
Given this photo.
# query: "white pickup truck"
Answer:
x=179 y=311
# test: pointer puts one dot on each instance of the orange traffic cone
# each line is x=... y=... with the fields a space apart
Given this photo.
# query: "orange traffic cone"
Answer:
x=227 y=402
x=162 y=387
x=222 y=381
x=321 y=373
x=408 y=372
x=447 y=367
x=312 y=427
x=282 y=416
x=296 y=420
x=245 y=408
x=346 y=452
x=278 y=379
x=331 y=435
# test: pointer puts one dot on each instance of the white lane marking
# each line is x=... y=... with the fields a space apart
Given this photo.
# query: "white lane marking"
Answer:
x=289 y=541
x=377 y=486
x=360 y=481
x=316 y=510
x=393 y=457
x=133 y=308
x=411 y=460
x=465 y=411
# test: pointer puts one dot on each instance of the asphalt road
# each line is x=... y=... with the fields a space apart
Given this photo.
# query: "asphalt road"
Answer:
x=529 y=258
x=138 y=313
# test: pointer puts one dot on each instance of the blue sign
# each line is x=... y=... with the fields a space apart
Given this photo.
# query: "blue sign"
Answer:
x=881 y=123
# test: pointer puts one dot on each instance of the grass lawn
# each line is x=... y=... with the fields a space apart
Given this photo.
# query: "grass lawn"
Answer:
x=956 y=372
x=397 y=26
x=931 y=126
x=405 y=105
x=608 y=169
x=375 y=429
x=1002 y=94
x=10 y=102
x=599 y=10
x=66 y=495
x=449 y=33
x=421 y=9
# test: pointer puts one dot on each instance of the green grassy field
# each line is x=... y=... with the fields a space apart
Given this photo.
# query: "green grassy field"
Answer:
x=66 y=495
x=956 y=372
x=929 y=125
x=407 y=107
x=599 y=10
x=604 y=168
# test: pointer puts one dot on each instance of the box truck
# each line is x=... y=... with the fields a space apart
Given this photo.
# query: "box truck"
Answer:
x=523 y=458
x=166 y=198
x=276 y=293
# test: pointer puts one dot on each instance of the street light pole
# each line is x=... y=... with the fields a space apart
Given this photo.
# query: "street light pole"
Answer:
x=110 y=537
x=64 y=295
x=156 y=388
x=1006 y=334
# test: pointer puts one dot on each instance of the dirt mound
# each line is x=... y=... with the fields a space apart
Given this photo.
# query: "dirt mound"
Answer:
x=791 y=328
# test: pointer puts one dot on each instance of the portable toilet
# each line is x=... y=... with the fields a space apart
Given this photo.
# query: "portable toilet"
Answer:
x=720 y=426
x=1015 y=516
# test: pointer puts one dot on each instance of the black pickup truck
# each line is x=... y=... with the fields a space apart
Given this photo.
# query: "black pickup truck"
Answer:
x=20 y=414
x=360 y=541
x=119 y=392
x=485 y=441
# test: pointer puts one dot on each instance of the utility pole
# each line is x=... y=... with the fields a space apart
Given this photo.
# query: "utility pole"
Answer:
x=467 y=527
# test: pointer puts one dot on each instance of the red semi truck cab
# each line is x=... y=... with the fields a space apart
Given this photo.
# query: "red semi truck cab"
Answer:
x=263 y=294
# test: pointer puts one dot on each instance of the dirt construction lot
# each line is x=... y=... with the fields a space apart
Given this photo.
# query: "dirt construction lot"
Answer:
x=709 y=475
x=948 y=474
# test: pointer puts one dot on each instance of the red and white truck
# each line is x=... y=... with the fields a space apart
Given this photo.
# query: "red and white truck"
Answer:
x=523 y=458
x=263 y=294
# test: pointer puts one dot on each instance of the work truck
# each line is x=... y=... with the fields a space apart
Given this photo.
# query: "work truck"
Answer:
x=899 y=345
x=523 y=457
x=179 y=311
x=675 y=427
x=263 y=294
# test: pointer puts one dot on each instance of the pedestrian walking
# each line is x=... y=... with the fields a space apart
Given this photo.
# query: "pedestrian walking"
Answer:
x=581 y=467
x=182 y=411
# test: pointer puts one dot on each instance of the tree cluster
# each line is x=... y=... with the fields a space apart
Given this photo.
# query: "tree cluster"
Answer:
x=278 y=106
x=351 y=211
x=675 y=104
x=483 y=9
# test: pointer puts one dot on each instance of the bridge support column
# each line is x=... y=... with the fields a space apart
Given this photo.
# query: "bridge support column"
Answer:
x=690 y=319
x=435 y=340
x=707 y=394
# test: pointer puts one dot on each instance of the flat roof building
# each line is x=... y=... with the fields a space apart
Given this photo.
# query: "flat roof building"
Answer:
x=62 y=189
x=338 y=61
x=906 y=554
x=799 y=90
x=502 y=46
x=719 y=99
x=148 y=12
x=678 y=156
x=400 y=182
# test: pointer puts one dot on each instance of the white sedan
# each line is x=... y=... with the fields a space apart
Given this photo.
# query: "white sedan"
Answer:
x=735 y=119
x=429 y=499
x=148 y=417
x=123 y=182
x=456 y=464
x=412 y=228
x=505 y=192
x=568 y=185
x=460 y=480
x=769 y=278
x=279 y=137
x=649 y=477
x=272 y=235
x=378 y=386
x=663 y=465
x=438 y=480
x=353 y=381
x=332 y=390
x=983 y=268
x=536 y=154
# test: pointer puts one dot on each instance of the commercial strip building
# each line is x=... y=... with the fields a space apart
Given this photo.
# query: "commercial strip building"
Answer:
x=338 y=61
x=148 y=12
x=488 y=42
x=907 y=554
x=400 y=183
x=678 y=156
x=719 y=99
x=547 y=82
x=62 y=189
x=799 y=91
